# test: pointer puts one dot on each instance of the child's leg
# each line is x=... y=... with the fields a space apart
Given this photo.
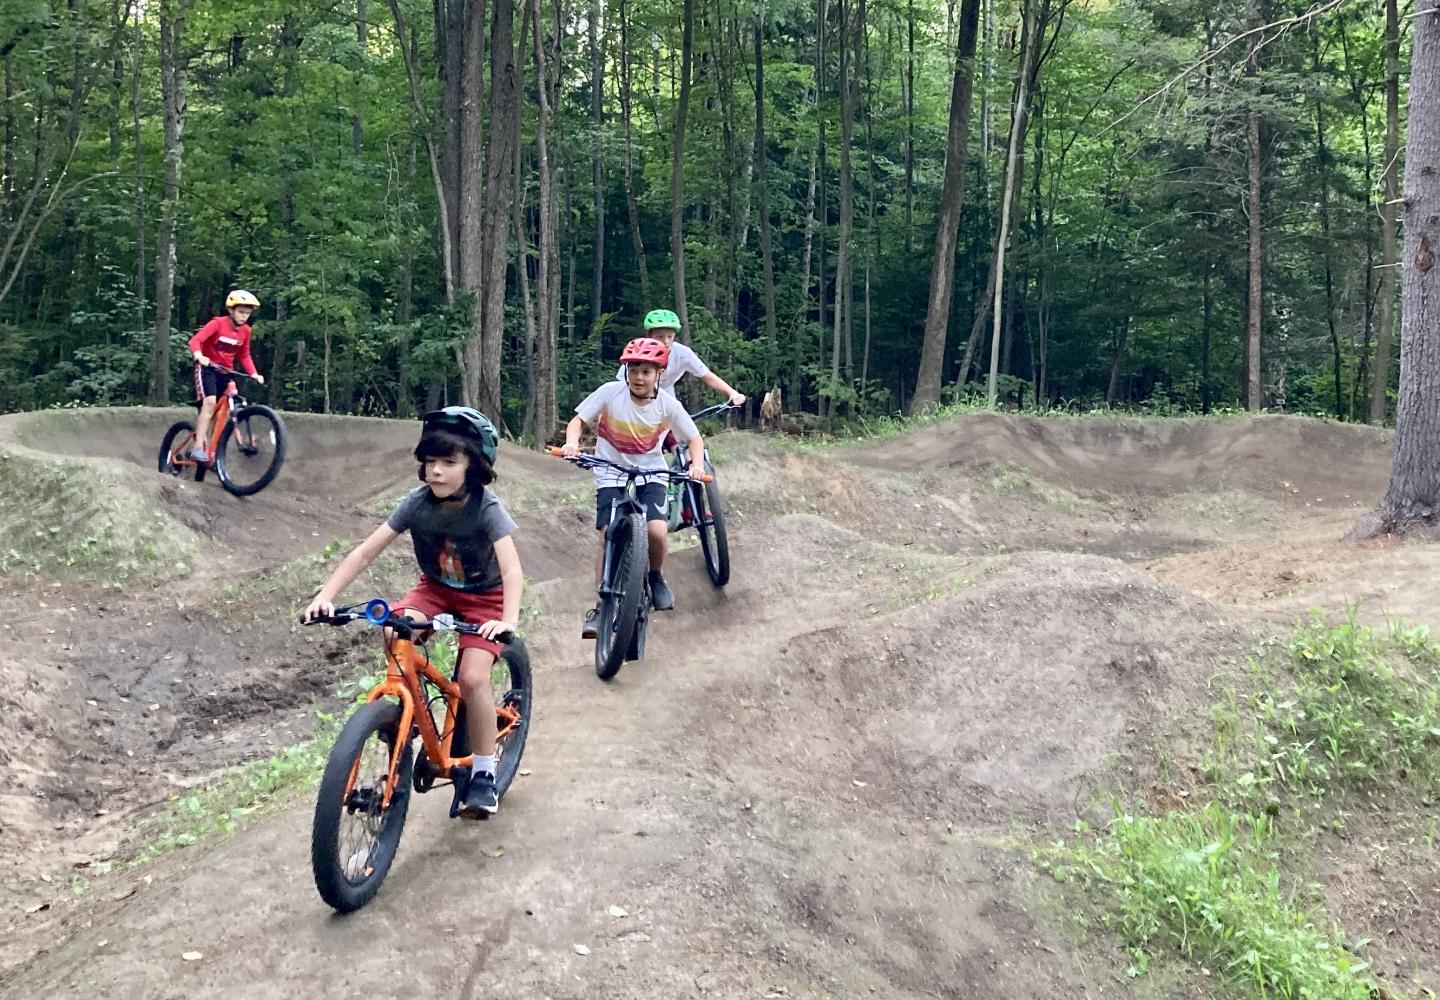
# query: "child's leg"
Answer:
x=202 y=422
x=659 y=543
x=475 y=689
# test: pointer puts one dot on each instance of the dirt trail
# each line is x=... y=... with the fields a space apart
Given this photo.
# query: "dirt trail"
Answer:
x=806 y=790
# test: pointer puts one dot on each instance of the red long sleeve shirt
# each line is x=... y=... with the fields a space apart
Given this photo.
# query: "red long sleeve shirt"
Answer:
x=224 y=344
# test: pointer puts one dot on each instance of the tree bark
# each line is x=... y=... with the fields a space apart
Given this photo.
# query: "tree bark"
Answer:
x=357 y=120
x=952 y=195
x=1322 y=167
x=847 y=203
x=504 y=127
x=1254 y=385
x=1017 y=137
x=172 y=88
x=1389 y=214
x=597 y=305
x=677 y=169
x=762 y=157
x=1412 y=498
x=910 y=125
x=632 y=210
x=544 y=405
x=137 y=57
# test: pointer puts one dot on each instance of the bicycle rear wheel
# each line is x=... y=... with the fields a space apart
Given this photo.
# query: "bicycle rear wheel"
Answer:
x=251 y=450
x=177 y=443
x=708 y=508
x=355 y=834
x=510 y=686
x=620 y=603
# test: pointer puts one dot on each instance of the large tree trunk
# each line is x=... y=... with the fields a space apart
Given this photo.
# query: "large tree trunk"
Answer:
x=910 y=121
x=544 y=405
x=1412 y=499
x=952 y=194
x=847 y=203
x=1254 y=392
x=597 y=304
x=1389 y=214
x=762 y=157
x=172 y=89
x=1322 y=167
x=469 y=190
x=631 y=209
x=504 y=128
x=1017 y=138
x=137 y=57
x=677 y=168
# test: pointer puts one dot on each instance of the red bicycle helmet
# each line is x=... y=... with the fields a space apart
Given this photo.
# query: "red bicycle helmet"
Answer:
x=645 y=350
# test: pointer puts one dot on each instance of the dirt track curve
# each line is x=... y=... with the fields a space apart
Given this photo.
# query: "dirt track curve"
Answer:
x=814 y=786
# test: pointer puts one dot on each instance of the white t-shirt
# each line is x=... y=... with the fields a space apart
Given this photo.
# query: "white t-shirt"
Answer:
x=683 y=361
x=630 y=433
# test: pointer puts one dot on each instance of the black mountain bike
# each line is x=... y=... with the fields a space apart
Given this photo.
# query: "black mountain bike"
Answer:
x=701 y=506
x=624 y=581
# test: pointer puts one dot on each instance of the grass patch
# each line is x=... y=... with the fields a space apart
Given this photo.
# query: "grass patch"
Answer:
x=1338 y=716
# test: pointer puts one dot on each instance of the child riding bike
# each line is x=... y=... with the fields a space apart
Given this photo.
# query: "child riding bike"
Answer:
x=663 y=325
x=469 y=568
x=631 y=420
x=223 y=341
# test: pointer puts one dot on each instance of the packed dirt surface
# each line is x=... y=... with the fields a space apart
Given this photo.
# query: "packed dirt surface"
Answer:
x=931 y=649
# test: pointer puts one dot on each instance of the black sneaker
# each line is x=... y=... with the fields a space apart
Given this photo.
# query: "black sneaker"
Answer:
x=481 y=798
x=660 y=597
x=587 y=631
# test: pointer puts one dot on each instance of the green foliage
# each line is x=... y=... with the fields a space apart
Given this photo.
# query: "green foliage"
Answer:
x=1340 y=713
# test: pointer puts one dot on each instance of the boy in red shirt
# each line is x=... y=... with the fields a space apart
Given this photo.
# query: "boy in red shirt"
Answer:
x=222 y=341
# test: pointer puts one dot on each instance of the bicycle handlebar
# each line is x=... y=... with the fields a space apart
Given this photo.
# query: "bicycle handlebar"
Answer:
x=586 y=460
x=715 y=410
x=377 y=612
x=231 y=371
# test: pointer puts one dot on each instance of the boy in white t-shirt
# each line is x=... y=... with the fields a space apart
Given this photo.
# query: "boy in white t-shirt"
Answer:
x=664 y=326
x=631 y=420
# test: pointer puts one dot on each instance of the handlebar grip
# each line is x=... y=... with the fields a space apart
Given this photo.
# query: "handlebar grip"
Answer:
x=557 y=452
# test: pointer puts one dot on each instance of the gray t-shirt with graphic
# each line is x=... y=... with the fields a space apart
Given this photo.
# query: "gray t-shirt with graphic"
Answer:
x=454 y=543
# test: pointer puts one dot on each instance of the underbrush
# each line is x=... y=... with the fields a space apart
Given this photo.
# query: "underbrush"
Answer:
x=1218 y=873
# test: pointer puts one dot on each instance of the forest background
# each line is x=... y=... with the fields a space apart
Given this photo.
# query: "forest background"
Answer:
x=478 y=200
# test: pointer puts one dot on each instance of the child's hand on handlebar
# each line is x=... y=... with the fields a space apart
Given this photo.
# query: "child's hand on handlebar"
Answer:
x=202 y=361
x=258 y=378
x=570 y=450
x=697 y=472
x=737 y=399
x=495 y=627
x=319 y=608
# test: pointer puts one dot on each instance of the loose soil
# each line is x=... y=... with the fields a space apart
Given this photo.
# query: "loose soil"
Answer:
x=815 y=785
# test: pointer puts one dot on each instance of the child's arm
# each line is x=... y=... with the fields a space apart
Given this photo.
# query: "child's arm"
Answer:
x=350 y=567
x=573 y=430
x=199 y=343
x=246 y=363
x=697 y=457
x=721 y=386
x=512 y=581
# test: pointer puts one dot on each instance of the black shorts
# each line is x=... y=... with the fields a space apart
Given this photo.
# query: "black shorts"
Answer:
x=211 y=381
x=651 y=495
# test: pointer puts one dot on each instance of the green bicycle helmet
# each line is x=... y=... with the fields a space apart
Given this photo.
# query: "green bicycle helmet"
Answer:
x=467 y=422
x=657 y=319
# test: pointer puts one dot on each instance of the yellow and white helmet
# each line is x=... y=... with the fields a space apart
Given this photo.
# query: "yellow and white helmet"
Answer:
x=240 y=297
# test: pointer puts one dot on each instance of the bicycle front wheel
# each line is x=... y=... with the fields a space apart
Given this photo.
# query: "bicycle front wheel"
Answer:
x=355 y=834
x=623 y=592
x=251 y=450
x=708 y=508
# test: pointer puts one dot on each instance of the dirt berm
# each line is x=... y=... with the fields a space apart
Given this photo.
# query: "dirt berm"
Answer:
x=818 y=783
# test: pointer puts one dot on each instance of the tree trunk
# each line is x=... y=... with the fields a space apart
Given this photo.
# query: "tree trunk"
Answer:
x=822 y=207
x=952 y=195
x=172 y=89
x=677 y=168
x=1017 y=134
x=545 y=404
x=1254 y=397
x=910 y=126
x=451 y=61
x=631 y=209
x=762 y=157
x=597 y=305
x=357 y=120
x=1322 y=166
x=1117 y=364
x=1389 y=214
x=470 y=230
x=138 y=59
x=847 y=204
x=1412 y=498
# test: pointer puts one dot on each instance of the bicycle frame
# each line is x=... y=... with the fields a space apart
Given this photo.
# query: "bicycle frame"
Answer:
x=403 y=674
x=222 y=417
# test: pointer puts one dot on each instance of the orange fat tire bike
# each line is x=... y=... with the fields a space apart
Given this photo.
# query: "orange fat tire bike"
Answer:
x=246 y=446
x=365 y=790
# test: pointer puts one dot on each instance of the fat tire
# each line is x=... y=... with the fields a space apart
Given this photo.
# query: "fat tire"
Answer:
x=268 y=476
x=339 y=892
x=517 y=657
x=713 y=542
x=618 y=613
x=167 y=447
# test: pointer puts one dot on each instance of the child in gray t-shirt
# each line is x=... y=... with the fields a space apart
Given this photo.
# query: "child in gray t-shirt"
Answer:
x=468 y=564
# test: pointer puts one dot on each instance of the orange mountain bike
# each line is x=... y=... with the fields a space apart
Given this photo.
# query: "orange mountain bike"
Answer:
x=247 y=445
x=365 y=791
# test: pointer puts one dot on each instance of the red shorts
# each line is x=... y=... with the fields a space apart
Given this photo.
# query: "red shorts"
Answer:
x=431 y=599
